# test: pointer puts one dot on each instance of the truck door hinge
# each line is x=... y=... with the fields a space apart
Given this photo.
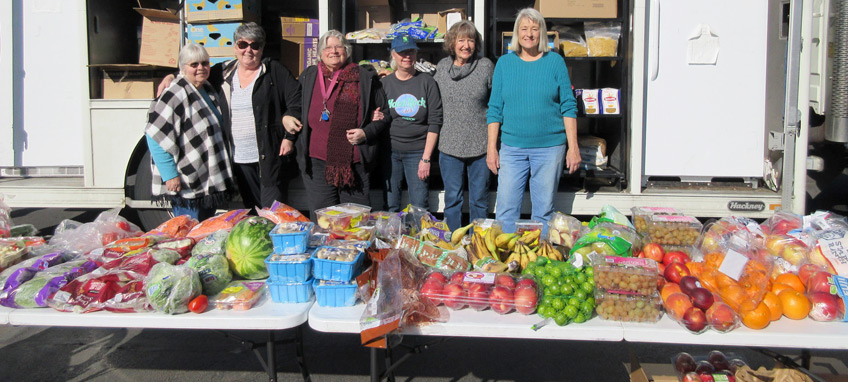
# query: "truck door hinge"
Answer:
x=776 y=141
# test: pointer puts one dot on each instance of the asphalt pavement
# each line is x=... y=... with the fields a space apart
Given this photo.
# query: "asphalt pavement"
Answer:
x=83 y=354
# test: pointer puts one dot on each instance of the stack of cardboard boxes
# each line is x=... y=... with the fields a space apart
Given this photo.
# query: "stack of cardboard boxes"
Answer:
x=299 y=47
x=212 y=24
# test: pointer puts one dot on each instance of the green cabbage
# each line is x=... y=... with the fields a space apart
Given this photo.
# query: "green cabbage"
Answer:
x=169 y=288
x=214 y=272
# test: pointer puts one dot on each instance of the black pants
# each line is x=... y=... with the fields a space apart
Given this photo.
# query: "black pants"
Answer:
x=322 y=195
x=253 y=193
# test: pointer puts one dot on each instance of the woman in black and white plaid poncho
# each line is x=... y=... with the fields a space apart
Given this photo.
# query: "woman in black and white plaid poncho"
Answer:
x=191 y=168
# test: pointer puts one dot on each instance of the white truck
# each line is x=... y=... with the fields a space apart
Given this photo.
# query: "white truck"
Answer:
x=61 y=147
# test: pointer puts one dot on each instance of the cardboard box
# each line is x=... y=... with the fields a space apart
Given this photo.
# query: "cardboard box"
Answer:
x=217 y=60
x=379 y=16
x=131 y=81
x=449 y=17
x=506 y=41
x=160 y=37
x=298 y=53
x=600 y=9
x=217 y=38
x=206 y=11
x=299 y=27
x=430 y=19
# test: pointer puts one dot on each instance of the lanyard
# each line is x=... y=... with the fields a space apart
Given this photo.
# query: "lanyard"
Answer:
x=325 y=93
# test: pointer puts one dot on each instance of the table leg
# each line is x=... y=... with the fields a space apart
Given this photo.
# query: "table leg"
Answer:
x=390 y=363
x=301 y=361
x=375 y=374
x=272 y=362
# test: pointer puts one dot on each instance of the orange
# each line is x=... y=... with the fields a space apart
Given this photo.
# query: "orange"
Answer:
x=779 y=287
x=758 y=317
x=795 y=305
x=668 y=289
x=724 y=280
x=774 y=304
x=733 y=295
x=708 y=280
x=713 y=259
x=792 y=280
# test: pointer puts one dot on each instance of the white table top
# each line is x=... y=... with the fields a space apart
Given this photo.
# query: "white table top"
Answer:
x=470 y=323
x=806 y=333
x=267 y=315
x=4 y=315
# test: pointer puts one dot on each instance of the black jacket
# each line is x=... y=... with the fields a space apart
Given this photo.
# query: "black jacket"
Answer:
x=276 y=93
x=372 y=97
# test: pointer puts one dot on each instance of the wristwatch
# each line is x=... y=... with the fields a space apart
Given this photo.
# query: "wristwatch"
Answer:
x=425 y=160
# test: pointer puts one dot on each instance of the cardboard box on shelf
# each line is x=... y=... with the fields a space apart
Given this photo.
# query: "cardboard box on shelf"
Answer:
x=298 y=53
x=600 y=9
x=217 y=38
x=216 y=60
x=378 y=16
x=449 y=17
x=206 y=11
x=506 y=41
x=430 y=19
x=131 y=81
x=160 y=37
x=299 y=27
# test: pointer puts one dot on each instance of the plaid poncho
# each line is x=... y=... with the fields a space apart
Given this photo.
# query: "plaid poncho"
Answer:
x=184 y=126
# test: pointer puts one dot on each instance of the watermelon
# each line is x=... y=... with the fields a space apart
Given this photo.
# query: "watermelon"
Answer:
x=248 y=244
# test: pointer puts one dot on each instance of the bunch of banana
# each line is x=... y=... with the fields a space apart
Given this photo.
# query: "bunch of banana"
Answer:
x=427 y=222
x=522 y=254
x=531 y=238
x=506 y=241
x=459 y=233
x=428 y=235
x=548 y=250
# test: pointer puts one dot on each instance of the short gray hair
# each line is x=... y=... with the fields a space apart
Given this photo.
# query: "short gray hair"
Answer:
x=192 y=52
x=537 y=18
x=322 y=43
x=250 y=31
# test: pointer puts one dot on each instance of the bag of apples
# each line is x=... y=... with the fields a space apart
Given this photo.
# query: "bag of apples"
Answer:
x=826 y=292
x=501 y=292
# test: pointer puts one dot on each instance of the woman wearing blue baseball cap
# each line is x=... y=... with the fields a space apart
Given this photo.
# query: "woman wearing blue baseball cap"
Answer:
x=415 y=108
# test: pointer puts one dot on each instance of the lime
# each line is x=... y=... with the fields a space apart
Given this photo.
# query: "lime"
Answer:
x=560 y=319
x=541 y=261
x=539 y=271
x=586 y=308
x=580 y=278
x=567 y=290
x=570 y=311
x=558 y=303
x=547 y=299
x=555 y=272
x=548 y=280
x=555 y=289
x=580 y=318
x=569 y=279
x=548 y=292
x=542 y=311
x=587 y=287
x=589 y=272
x=573 y=301
x=580 y=295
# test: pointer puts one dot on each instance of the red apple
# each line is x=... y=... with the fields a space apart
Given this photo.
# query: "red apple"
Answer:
x=433 y=290
x=502 y=299
x=706 y=377
x=661 y=268
x=704 y=367
x=457 y=277
x=718 y=360
x=454 y=296
x=675 y=271
x=437 y=276
x=653 y=251
x=702 y=298
x=526 y=283
x=526 y=300
x=684 y=363
x=478 y=296
x=728 y=374
x=826 y=307
x=807 y=270
x=691 y=377
x=695 y=321
x=688 y=284
x=675 y=256
x=819 y=282
x=505 y=280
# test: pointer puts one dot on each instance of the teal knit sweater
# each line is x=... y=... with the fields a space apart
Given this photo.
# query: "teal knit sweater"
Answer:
x=529 y=100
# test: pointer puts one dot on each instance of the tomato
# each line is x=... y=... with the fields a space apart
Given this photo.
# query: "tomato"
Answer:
x=108 y=237
x=122 y=225
x=199 y=304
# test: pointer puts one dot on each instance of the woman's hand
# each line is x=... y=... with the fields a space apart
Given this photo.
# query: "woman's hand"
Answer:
x=423 y=170
x=493 y=160
x=572 y=159
x=378 y=115
x=356 y=136
x=173 y=184
x=291 y=124
x=164 y=84
x=286 y=147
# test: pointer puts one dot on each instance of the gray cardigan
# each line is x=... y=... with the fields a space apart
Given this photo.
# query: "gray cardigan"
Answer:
x=465 y=98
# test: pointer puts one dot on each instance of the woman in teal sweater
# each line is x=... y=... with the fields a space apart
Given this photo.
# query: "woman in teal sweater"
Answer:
x=533 y=111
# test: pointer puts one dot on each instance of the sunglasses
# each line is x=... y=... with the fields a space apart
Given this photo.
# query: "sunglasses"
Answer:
x=253 y=45
x=196 y=64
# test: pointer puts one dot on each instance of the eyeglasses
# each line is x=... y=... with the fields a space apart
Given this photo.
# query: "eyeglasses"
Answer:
x=253 y=45
x=196 y=64
x=332 y=48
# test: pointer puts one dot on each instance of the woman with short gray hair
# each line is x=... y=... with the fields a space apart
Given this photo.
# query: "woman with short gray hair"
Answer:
x=337 y=147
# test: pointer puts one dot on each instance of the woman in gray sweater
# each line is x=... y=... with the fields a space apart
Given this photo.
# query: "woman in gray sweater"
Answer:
x=465 y=81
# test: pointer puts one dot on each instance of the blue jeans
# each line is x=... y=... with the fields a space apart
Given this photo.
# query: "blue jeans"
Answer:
x=543 y=165
x=453 y=171
x=405 y=166
x=199 y=213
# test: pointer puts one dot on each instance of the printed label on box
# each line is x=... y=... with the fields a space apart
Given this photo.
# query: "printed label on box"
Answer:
x=834 y=246
x=479 y=277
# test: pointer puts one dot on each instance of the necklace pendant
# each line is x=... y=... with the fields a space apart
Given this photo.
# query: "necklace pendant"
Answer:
x=325 y=115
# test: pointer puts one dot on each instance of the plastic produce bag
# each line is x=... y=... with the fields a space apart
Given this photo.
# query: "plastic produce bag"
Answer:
x=34 y=293
x=13 y=277
x=564 y=230
x=281 y=213
x=571 y=41
x=5 y=218
x=182 y=246
x=602 y=38
x=738 y=272
x=607 y=239
x=169 y=288
x=227 y=221
x=108 y=227
x=213 y=270
x=610 y=214
x=367 y=34
x=176 y=227
x=214 y=244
